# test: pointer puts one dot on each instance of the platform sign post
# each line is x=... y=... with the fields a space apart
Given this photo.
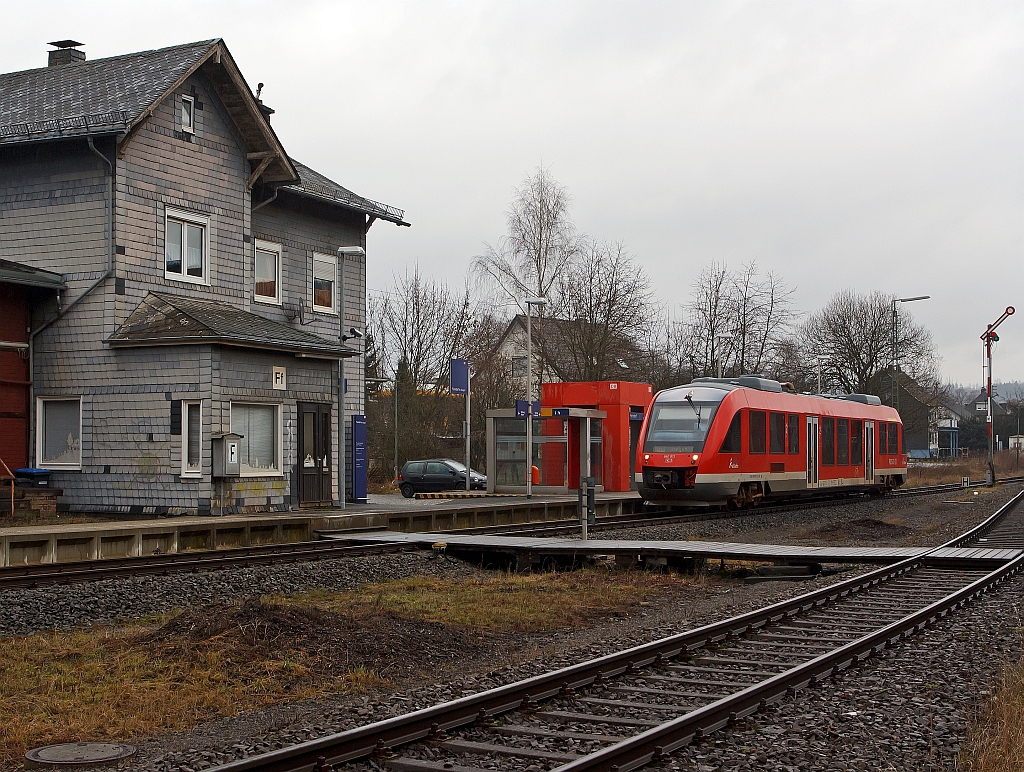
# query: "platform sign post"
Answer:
x=359 y=459
x=460 y=379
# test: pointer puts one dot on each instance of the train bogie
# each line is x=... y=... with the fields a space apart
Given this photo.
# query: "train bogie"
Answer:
x=736 y=442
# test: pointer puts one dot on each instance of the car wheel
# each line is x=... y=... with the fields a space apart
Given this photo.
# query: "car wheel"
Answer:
x=407 y=490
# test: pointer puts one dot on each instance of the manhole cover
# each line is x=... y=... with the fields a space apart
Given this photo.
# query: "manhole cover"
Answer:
x=77 y=754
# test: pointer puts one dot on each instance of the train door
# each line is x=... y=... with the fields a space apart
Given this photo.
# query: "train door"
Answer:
x=813 y=451
x=869 y=452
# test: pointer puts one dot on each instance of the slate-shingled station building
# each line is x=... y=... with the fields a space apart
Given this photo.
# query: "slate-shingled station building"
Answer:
x=203 y=283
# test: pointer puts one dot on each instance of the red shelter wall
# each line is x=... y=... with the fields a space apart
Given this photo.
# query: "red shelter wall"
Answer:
x=616 y=398
x=14 y=322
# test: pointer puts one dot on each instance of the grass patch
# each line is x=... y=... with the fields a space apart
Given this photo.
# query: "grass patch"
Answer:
x=142 y=680
x=997 y=741
x=503 y=602
x=942 y=472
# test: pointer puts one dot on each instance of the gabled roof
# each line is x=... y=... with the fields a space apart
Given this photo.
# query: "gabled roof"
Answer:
x=26 y=275
x=172 y=320
x=315 y=185
x=119 y=93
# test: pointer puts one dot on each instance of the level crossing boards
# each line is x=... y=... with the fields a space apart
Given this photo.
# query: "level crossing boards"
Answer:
x=706 y=550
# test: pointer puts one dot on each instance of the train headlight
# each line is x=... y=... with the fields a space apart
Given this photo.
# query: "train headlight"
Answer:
x=647 y=457
x=696 y=457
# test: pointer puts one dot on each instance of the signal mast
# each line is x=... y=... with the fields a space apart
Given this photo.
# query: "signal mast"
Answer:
x=989 y=337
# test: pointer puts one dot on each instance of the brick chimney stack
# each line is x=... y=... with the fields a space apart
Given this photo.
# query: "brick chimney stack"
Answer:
x=67 y=53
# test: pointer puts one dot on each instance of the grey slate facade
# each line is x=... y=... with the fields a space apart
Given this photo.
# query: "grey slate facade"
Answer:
x=229 y=177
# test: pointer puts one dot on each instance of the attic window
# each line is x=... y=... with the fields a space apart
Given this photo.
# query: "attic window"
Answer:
x=188 y=114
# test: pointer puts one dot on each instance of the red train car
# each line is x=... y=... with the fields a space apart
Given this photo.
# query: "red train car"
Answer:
x=738 y=441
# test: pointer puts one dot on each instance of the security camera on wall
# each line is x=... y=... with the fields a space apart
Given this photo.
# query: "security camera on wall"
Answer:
x=352 y=333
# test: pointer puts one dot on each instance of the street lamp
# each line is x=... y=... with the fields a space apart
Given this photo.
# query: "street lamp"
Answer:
x=718 y=350
x=530 y=303
x=895 y=347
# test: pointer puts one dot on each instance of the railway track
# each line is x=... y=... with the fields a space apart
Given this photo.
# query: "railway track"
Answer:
x=45 y=574
x=625 y=710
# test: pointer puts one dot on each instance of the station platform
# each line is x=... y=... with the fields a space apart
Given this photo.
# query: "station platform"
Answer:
x=534 y=550
x=60 y=542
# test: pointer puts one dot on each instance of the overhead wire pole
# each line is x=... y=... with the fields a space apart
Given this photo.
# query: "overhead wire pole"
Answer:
x=989 y=337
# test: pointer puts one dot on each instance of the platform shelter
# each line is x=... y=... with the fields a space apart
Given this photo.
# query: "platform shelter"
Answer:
x=583 y=429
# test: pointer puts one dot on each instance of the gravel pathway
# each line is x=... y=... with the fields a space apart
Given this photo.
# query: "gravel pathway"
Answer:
x=63 y=607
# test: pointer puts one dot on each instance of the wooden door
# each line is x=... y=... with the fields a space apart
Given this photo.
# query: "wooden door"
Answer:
x=315 y=463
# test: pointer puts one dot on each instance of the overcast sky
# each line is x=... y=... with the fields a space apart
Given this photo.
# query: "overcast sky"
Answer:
x=863 y=145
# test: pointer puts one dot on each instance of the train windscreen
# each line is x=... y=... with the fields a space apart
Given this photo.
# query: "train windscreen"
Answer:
x=679 y=427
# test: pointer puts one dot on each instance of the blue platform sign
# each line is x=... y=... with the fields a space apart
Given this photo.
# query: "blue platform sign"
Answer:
x=521 y=408
x=636 y=415
x=460 y=376
x=359 y=459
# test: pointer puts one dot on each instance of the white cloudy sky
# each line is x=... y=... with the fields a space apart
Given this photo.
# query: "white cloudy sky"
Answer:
x=864 y=145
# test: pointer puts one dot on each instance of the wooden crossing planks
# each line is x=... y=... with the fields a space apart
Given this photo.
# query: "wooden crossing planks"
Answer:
x=539 y=545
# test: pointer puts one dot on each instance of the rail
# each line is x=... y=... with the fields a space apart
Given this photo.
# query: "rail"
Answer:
x=800 y=627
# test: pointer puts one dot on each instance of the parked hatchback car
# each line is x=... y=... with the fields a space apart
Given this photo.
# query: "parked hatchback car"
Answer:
x=437 y=474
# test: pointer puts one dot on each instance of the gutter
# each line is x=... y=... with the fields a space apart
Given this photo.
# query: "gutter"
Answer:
x=63 y=311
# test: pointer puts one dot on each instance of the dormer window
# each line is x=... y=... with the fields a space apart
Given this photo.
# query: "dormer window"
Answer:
x=188 y=114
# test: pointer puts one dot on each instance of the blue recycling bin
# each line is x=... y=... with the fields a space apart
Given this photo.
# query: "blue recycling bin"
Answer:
x=32 y=477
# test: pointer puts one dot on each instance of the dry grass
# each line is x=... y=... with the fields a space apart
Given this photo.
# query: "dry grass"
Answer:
x=951 y=471
x=997 y=743
x=120 y=684
x=505 y=602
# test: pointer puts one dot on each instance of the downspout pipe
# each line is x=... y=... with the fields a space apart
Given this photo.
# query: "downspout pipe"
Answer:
x=63 y=311
x=270 y=200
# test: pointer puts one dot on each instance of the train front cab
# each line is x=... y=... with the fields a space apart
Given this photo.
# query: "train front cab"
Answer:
x=764 y=443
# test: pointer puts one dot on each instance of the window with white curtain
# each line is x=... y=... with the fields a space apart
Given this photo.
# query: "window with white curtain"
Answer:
x=59 y=433
x=325 y=279
x=192 y=439
x=259 y=425
x=186 y=247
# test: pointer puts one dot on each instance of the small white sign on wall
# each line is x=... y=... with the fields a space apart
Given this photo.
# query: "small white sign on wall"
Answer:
x=280 y=379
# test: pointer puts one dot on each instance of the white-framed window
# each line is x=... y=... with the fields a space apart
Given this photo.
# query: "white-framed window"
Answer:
x=59 y=432
x=186 y=246
x=267 y=273
x=188 y=114
x=259 y=450
x=325 y=283
x=192 y=439
x=518 y=367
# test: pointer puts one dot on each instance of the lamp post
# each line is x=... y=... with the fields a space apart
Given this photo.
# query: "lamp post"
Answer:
x=895 y=347
x=530 y=303
x=718 y=349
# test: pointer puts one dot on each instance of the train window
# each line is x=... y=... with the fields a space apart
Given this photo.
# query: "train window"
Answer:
x=794 y=434
x=733 y=442
x=758 y=431
x=777 y=433
x=882 y=434
x=856 y=435
x=679 y=427
x=828 y=441
x=843 y=442
x=894 y=439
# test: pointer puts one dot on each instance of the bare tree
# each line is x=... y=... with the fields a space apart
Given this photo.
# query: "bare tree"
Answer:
x=606 y=304
x=739 y=317
x=416 y=328
x=540 y=244
x=852 y=337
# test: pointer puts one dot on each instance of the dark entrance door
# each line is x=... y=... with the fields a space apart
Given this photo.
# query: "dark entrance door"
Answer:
x=314 y=455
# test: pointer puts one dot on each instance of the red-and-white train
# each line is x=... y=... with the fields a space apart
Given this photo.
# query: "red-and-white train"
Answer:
x=738 y=441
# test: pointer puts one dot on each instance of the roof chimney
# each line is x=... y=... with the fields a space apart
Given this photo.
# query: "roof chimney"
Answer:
x=67 y=52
